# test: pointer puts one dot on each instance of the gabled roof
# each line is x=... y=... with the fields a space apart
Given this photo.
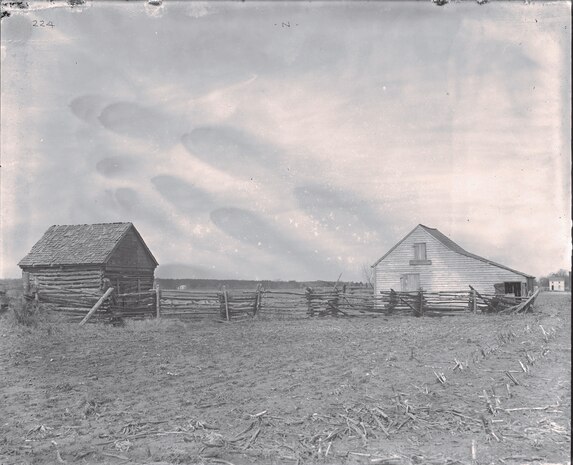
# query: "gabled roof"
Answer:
x=79 y=244
x=446 y=241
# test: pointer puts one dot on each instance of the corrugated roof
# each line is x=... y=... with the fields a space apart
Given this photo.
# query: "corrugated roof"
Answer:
x=78 y=244
x=445 y=240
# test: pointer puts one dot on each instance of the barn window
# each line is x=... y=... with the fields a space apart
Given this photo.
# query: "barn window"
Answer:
x=420 y=257
x=420 y=251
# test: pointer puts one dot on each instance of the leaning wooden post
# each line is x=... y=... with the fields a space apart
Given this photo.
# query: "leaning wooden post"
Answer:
x=226 y=303
x=407 y=303
x=157 y=301
x=96 y=306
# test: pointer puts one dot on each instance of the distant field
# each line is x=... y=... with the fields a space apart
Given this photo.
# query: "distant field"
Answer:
x=348 y=391
x=13 y=287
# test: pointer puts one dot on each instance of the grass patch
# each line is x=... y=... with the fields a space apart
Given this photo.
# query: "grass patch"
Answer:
x=24 y=312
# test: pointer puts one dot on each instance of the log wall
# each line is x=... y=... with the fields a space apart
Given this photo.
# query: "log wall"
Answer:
x=129 y=280
x=89 y=278
x=74 y=290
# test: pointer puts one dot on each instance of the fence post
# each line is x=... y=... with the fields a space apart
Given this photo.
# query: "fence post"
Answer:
x=310 y=310
x=393 y=301
x=257 y=300
x=474 y=301
x=335 y=302
x=419 y=309
x=421 y=302
x=260 y=298
x=487 y=302
x=157 y=301
x=226 y=303
x=221 y=304
x=36 y=298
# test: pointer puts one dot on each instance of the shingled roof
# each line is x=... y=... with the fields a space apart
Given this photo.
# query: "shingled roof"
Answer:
x=445 y=240
x=78 y=244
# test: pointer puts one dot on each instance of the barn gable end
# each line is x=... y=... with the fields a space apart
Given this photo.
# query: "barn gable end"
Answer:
x=427 y=259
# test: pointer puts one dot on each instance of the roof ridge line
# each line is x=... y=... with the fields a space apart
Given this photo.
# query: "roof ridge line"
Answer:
x=451 y=245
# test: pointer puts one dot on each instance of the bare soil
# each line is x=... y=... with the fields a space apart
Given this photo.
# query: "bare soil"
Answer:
x=344 y=391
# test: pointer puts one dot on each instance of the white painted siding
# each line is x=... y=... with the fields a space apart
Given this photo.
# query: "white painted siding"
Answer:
x=449 y=270
x=556 y=285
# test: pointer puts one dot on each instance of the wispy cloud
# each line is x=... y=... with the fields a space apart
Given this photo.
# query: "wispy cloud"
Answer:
x=242 y=147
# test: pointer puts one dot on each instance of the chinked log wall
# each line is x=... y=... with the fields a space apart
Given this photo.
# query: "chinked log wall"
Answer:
x=75 y=304
x=235 y=305
x=129 y=280
x=69 y=293
x=80 y=279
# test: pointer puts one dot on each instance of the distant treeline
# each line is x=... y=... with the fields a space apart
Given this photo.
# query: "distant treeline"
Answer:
x=217 y=284
x=193 y=284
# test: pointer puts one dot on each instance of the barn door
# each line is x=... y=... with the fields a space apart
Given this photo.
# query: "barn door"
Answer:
x=410 y=282
x=514 y=287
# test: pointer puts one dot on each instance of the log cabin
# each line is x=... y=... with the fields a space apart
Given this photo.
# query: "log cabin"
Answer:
x=429 y=260
x=84 y=257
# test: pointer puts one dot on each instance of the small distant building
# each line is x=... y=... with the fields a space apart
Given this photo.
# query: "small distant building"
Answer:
x=427 y=259
x=557 y=284
x=182 y=287
x=89 y=257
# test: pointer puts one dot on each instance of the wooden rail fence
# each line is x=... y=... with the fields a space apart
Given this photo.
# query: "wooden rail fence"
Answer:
x=243 y=304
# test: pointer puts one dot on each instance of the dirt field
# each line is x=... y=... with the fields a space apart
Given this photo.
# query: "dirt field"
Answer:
x=344 y=391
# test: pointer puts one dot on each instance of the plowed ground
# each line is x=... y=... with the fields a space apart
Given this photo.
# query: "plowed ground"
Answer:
x=344 y=391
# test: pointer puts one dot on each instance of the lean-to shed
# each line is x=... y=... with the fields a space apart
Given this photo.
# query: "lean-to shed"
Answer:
x=429 y=260
x=81 y=256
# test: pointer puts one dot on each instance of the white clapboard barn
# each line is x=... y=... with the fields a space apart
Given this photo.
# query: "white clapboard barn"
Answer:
x=556 y=284
x=427 y=259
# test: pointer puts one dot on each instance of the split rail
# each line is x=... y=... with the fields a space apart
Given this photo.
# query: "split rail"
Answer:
x=224 y=305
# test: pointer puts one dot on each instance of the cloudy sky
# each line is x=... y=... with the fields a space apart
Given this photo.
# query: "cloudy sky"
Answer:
x=289 y=140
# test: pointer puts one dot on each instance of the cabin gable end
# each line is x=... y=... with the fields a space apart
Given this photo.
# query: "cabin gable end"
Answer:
x=131 y=252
